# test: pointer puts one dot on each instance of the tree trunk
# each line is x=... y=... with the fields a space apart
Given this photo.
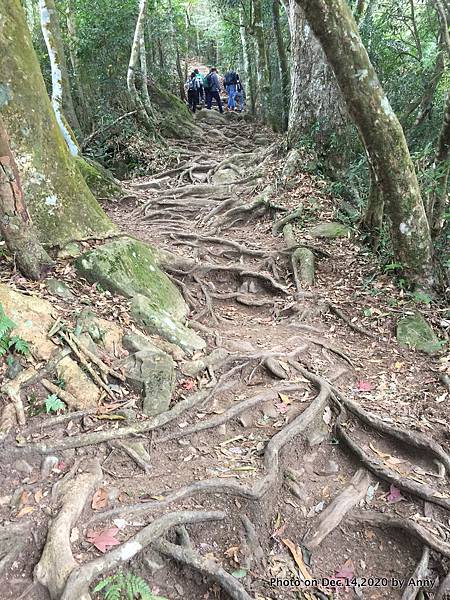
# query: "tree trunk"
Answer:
x=179 y=68
x=262 y=74
x=248 y=67
x=62 y=100
x=80 y=93
x=133 y=67
x=15 y=222
x=442 y=165
x=59 y=201
x=359 y=10
x=381 y=133
x=283 y=62
x=144 y=87
x=316 y=102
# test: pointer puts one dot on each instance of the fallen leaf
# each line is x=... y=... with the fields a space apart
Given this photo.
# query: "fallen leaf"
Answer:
x=284 y=398
x=297 y=554
x=24 y=511
x=187 y=384
x=394 y=495
x=364 y=386
x=281 y=408
x=347 y=571
x=38 y=495
x=103 y=539
x=100 y=499
x=327 y=415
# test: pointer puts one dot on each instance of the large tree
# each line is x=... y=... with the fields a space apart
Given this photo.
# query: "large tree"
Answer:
x=60 y=202
x=334 y=26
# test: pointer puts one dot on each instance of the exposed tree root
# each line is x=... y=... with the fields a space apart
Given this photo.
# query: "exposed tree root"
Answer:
x=278 y=225
x=443 y=589
x=420 y=573
x=256 y=553
x=77 y=587
x=338 y=312
x=67 y=397
x=136 y=451
x=407 y=436
x=421 y=490
x=385 y=521
x=302 y=260
x=231 y=413
x=306 y=420
x=97 y=437
x=57 y=561
x=206 y=566
x=332 y=516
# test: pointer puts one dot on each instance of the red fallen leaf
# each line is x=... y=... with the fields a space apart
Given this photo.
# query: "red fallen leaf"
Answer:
x=364 y=386
x=281 y=407
x=103 y=539
x=100 y=499
x=394 y=495
x=346 y=571
x=187 y=384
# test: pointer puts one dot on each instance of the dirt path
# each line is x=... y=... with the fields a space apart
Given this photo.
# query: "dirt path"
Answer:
x=313 y=433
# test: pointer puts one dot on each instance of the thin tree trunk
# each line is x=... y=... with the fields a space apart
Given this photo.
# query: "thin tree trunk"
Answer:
x=442 y=164
x=179 y=68
x=133 y=67
x=144 y=82
x=373 y=216
x=60 y=88
x=283 y=62
x=359 y=10
x=61 y=93
x=263 y=78
x=381 y=133
x=162 y=64
x=76 y=67
x=16 y=227
x=248 y=67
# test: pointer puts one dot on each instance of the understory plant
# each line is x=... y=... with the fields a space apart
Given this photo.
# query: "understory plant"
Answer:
x=125 y=586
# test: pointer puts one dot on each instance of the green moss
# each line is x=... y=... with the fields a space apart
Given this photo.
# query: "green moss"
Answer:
x=174 y=118
x=414 y=332
x=59 y=200
x=99 y=180
x=129 y=267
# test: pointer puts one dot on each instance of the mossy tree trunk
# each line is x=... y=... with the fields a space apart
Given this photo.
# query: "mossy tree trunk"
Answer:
x=316 y=106
x=381 y=133
x=16 y=227
x=61 y=93
x=59 y=201
x=283 y=62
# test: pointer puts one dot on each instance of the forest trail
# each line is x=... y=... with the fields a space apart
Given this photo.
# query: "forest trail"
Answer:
x=264 y=445
x=298 y=441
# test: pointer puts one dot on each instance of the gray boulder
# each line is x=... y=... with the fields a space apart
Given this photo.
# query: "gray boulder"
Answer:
x=330 y=230
x=152 y=374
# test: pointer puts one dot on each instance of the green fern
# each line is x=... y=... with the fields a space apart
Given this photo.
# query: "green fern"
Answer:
x=6 y=325
x=125 y=586
x=19 y=345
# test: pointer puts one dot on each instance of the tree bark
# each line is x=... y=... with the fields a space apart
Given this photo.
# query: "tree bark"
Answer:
x=16 y=227
x=381 y=133
x=248 y=66
x=173 y=32
x=283 y=62
x=316 y=103
x=60 y=203
x=62 y=100
x=80 y=92
x=133 y=66
x=262 y=73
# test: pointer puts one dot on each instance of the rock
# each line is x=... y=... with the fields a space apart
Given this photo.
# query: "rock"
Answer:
x=247 y=419
x=213 y=117
x=269 y=410
x=133 y=342
x=329 y=468
x=105 y=333
x=214 y=359
x=78 y=384
x=330 y=230
x=70 y=250
x=14 y=368
x=152 y=374
x=33 y=319
x=47 y=464
x=113 y=494
x=161 y=322
x=22 y=466
x=59 y=288
x=413 y=331
x=129 y=267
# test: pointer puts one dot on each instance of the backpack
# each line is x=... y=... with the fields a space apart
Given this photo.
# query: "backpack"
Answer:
x=231 y=78
x=207 y=84
x=197 y=83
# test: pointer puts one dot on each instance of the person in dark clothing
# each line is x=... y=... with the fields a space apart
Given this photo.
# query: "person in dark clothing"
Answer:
x=240 y=94
x=213 y=89
x=193 y=86
x=201 y=91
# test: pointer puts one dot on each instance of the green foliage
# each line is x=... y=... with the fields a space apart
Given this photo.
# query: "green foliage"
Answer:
x=10 y=343
x=125 y=586
x=53 y=404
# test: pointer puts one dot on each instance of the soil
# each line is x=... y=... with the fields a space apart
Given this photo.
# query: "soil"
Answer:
x=400 y=386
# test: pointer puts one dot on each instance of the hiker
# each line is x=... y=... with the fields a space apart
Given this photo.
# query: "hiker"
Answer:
x=201 y=91
x=193 y=87
x=240 y=94
x=213 y=89
x=230 y=82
